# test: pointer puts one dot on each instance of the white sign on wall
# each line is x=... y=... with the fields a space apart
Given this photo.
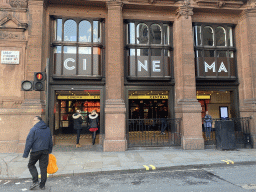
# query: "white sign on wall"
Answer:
x=10 y=57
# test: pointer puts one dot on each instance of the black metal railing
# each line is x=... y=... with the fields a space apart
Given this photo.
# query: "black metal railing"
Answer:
x=241 y=130
x=154 y=132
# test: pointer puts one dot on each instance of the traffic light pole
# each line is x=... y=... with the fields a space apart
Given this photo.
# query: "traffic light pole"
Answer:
x=47 y=93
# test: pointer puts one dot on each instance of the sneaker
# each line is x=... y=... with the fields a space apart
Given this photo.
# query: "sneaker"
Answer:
x=34 y=185
x=42 y=188
x=78 y=145
x=162 y=133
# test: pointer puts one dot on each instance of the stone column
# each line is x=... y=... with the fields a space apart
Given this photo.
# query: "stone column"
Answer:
x=246 y=65
x=115 y=139
x=187 y=107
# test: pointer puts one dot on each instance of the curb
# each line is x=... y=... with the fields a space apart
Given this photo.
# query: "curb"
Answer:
x=141 y=170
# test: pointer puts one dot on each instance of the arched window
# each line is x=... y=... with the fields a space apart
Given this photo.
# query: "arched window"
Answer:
x=155 y=34
x=142 y=33
x=220 y=36
x=85 y=31
x=208 y=36
x=70 y=30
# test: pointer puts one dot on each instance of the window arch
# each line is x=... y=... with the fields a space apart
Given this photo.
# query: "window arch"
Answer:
x=220 y=36
x=85 y=31
x=142 y=33
x=208 y=36
x=70 y=30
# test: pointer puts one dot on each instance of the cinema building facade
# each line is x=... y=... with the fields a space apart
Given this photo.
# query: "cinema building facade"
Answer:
x=150 y=68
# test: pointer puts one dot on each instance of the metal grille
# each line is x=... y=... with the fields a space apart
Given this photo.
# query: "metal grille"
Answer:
x=153 y=132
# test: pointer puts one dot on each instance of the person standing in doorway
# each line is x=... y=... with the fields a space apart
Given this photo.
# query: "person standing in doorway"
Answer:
x=207 y=125
x=93 y=121
x=39 y=141
x=78 y=120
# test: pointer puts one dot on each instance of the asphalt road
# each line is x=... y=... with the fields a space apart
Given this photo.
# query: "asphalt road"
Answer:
x=234 y=178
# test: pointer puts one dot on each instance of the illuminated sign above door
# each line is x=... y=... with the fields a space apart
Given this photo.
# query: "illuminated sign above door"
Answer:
x=148 y=97
x=67 y=97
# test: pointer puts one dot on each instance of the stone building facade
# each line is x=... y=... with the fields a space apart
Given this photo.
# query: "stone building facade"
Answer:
x=112 y=49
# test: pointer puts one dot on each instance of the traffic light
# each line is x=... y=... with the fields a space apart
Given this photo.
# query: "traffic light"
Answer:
x=27 y=85
x=39 y=81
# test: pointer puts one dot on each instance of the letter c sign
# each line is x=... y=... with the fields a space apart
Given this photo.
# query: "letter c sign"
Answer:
x=66 y=64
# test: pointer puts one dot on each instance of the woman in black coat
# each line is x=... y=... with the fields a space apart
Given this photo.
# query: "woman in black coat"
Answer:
x=78 y=120
x=93 y=121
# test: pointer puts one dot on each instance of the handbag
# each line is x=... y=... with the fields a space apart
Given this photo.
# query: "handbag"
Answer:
x=52 y=164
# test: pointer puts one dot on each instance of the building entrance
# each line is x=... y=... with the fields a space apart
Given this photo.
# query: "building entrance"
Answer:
x=149 y=120
x=66 y=104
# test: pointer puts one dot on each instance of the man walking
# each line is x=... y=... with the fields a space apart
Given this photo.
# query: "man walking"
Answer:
x=39 y=141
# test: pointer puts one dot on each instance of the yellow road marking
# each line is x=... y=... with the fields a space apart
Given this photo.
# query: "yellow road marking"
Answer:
x=153 y=167
x=147 y=168
x=228 y=161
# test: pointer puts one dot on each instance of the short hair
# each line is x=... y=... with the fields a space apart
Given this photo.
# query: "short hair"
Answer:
x=39 y=118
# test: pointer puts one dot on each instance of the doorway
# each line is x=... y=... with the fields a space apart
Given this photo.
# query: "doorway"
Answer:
x=65 y=105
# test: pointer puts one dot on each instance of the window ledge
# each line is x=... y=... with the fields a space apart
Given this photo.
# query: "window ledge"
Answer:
x=77 y=77
x=149 y=78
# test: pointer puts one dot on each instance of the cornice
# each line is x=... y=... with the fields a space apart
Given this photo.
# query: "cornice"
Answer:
x=220 y=3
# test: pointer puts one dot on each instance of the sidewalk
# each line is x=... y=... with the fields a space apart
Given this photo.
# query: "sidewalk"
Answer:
x=84 y=160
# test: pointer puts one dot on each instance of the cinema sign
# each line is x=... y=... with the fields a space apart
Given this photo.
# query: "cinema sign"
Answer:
x=71 y=67
x=157 y=66
x=222 y=67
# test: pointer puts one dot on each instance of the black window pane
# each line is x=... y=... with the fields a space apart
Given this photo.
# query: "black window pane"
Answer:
x=220 y=36
x=197 y=35
x=166 y=34
x=208 y=53
x=142 y=33
x=208 y=36
x=155 y=34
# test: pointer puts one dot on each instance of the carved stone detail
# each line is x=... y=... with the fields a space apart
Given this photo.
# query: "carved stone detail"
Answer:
x=12 y=36
x=9 y=17
x=18 y=3
x=185 y=10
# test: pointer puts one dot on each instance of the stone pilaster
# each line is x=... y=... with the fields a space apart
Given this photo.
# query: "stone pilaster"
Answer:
x=115 y=139
x=246 y=57
x=187 y=107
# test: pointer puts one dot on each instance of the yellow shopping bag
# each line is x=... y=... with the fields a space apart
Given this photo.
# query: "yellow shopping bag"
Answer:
x=52 y=164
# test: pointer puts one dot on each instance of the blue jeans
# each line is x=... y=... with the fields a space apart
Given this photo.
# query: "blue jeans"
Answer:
x=208 y=131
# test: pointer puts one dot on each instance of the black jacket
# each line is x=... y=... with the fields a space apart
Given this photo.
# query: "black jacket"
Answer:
x=38 y=139
x=94 y=120
x=78 y=120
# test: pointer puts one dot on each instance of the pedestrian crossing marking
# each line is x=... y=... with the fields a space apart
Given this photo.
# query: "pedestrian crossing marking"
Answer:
x=228 y=161
x=147 y=168
x=153 y=167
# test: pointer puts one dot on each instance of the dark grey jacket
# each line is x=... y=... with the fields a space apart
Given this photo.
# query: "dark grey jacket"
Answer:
x=94 y=120
x=78 y=120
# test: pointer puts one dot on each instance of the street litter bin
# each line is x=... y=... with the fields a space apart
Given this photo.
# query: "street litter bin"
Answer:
x=225 y=135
